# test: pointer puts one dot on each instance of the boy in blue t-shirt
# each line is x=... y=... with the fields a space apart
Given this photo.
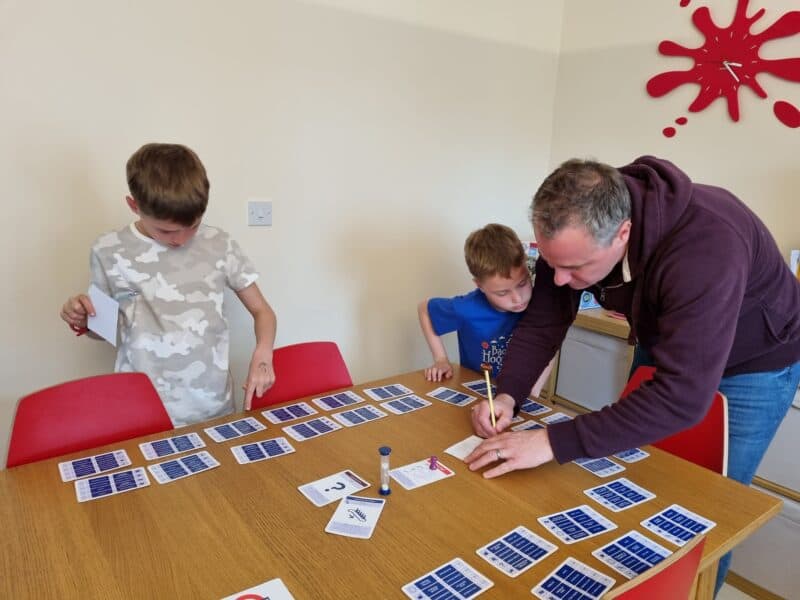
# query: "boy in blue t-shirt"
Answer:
x=484 y=318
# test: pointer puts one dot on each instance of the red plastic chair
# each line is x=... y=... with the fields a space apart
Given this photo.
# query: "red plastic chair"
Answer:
x=705 y=444
x=671 y=579
x=305 y=369
x=85 y=413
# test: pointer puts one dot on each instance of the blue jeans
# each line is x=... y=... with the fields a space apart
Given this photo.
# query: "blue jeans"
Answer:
x=757 y=403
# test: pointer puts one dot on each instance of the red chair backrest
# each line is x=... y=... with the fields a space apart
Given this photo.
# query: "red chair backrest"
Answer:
x=705 y=444
x=305 y=369
x=672 y=579
x=85 y=413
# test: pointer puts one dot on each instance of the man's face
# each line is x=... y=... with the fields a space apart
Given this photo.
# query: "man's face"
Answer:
x=508 y=294
x=577 y=259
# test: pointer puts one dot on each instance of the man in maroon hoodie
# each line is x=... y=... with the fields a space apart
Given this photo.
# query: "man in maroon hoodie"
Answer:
x=709 y=299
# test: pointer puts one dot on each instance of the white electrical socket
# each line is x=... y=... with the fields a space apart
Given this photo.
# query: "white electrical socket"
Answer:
x=259 y=212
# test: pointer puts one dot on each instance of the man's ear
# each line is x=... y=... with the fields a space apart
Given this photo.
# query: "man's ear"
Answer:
x=132 y=204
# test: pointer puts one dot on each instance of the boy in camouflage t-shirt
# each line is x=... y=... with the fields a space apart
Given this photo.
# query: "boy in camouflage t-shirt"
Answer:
x=168 y=273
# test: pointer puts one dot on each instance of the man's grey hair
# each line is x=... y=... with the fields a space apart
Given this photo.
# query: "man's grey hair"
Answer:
x=582 y=193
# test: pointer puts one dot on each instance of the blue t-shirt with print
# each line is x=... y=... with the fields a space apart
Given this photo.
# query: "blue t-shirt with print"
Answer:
x=483 y=331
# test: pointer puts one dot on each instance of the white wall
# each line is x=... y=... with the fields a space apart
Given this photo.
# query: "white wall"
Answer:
x=383 y=132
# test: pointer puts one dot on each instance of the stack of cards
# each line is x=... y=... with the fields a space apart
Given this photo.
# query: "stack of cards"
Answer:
x=454 y=579
x=338 y=400
x=358 y=416
x=311 y=429
x=576 y=524
x=602 y=467
x=92 y=465
x=234 y=429
x=405 y=404
x=479 y=387
x=465 y=447
x=191 y=464
x=619 y=494
x=171 y=445
x=387 y=392
x=288 y=413
x=445 y=394
x=631 y=456
x=248 y=453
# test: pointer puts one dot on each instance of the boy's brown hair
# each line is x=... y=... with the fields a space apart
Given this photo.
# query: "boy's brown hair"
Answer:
x=493 y=250
x=168 y=182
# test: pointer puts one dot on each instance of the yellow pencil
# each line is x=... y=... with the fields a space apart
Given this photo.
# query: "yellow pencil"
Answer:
x=487 y=368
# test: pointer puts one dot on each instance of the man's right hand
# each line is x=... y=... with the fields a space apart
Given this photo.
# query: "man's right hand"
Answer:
x=76 y=312
x=503 y=412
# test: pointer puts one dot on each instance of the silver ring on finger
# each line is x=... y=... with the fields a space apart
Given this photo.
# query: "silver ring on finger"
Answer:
x=499 y=454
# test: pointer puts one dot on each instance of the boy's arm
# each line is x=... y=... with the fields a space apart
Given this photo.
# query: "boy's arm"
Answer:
x=441 y=368
x=261 y=375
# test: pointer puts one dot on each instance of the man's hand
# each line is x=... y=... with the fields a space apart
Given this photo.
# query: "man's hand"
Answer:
x=513 y=450
x=482 y=418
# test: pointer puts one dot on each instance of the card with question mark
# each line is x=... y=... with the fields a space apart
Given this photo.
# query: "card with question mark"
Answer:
x=332 y=488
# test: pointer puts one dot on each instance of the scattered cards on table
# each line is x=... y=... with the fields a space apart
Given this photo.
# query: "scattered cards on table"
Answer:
x=479 y=387
x=633 y=455
x=171 y=445
x=92 y=465
x=333 y=487
x=516 y=551
x=109 y=485
x=405 y=404
x=534 y=408
x=256 y=451
x=234 y=429
x=387 y=392
x=274 y=589
x=451 y=396
x=573 y=579
x=454 y=579
x=576 y=524
x=178 y=468
x=631 y=554
x=311 y=429
x=356 y=517
x=619 y=494
x=602 y=467
x=359 y=415
x=556 y=417
x=337 y=400
x=420 y=473
x=677 y=524
x=527 y=426
x=289 y=413
x=465 y=447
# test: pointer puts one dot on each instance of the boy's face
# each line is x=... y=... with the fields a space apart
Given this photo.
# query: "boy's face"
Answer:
x=508 y=294
x=166 y=233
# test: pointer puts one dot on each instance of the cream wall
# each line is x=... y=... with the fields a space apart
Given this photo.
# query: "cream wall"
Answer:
x=383 y=133
x=609 y=51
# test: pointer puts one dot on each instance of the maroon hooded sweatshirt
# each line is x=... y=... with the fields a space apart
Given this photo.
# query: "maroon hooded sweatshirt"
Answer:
x=709 y=296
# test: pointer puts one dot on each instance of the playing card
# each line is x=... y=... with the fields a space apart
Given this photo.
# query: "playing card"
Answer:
x=333 y=487
x=356 y=517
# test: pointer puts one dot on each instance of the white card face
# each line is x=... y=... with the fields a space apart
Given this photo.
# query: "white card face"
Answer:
x=92 y=465
x=479 y=387
x=619 y=494
x=677 y=524
x=527 y=426
x=359 y=415
x=171 y=445
x=517 y=551
x=234 y=429
x=111 y=484
x=387 y=392
x=465 y=447
x=517 y=419
x=284 y=414
x=106 y=313
x=356 y=517
x=556 y=417
x=602 y=467
x=576 y=524
x=333 y=487
x=271 y=590
x=185 y=466
x=534 y=408
x=257 y=451
x=454 y=579
x=633 y=455
x=631 y=554
x=311 y=429
x=451 y=396
x=339 y=400
x=406 y=404
x=573 y=579
x=420 y=473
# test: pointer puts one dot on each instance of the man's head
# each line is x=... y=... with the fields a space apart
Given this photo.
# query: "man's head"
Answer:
x=581 y=217
x=496 y=259
x=169 y=192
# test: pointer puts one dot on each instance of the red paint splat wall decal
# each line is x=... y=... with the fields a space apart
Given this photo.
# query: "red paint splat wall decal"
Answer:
x=729 y=60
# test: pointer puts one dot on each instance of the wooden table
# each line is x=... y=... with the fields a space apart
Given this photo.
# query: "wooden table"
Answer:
x=235 y=526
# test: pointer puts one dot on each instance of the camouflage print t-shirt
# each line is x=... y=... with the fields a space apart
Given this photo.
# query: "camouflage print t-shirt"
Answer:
x=171 y=324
